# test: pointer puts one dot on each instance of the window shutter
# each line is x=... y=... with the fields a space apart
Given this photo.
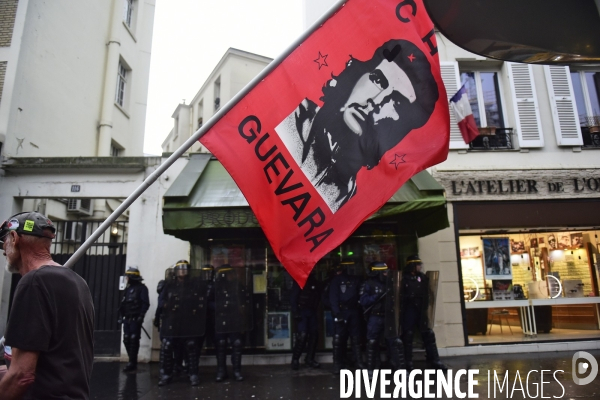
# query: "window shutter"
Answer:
x=451 y=78
x=562 y=101
x=527 y=113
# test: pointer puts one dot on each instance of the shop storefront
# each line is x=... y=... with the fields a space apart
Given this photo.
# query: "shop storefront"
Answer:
x=528 y=244
x=205 y=207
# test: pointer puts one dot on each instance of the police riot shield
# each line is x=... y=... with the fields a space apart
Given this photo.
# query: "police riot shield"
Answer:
x=392 y=304
x=233 y=300
x=434 y=277
x=185 y=303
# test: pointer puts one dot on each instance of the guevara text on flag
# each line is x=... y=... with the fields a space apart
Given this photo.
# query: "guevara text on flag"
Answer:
x=334 y=131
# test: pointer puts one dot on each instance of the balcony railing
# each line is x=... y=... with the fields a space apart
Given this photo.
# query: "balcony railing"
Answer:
x=591 y=140
x=501 y=140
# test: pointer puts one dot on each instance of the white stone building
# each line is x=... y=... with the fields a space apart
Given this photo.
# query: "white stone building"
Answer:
x=74 y=83
x=235 y=69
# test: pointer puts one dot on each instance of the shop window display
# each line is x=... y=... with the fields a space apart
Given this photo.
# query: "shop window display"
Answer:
x=273 y=322
x=544 y=285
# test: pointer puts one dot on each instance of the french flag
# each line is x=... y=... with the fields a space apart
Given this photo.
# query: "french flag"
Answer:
x=464 y=115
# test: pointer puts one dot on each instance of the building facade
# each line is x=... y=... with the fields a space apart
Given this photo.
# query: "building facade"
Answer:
x=235 y=69
x=520 y=261
x=74 y=82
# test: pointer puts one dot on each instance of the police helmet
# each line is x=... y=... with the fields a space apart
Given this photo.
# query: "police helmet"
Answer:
x=376 y=268
x=207 y=272
x=133 y=273
x=160 y=286
x=181 y=267
x=412 y=262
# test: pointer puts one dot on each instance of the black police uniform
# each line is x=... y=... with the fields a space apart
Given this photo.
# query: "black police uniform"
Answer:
x=343 y=297
x=415 y=301
x=373 y=299
x=183 y=319
x=305 y=303
x=232 y=288
x=132 y=310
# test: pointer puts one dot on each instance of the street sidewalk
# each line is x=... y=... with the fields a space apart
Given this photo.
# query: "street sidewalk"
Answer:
x=280 y=382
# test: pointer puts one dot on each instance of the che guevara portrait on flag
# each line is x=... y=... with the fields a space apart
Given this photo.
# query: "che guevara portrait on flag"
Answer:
x=341 y=122
x=368 y=108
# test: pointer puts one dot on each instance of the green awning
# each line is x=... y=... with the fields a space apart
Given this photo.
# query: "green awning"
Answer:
x=205 y=196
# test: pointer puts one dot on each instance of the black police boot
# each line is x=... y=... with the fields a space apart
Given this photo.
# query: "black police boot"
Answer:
x=431 y=352
x=338 y=358
x=372 y=354
x=298 y=349
x=166 y=362
x=310 y=352
x=193 y=359
x=396 y=353
x=236 y=360
x=407 y=342
x=221 y=351
x=132 y=352
x=358 y=362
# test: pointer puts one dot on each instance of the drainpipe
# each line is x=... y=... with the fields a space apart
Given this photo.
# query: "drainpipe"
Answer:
x=110 y=83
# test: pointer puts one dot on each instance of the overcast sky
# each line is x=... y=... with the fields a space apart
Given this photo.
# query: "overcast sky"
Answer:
x=191 y=36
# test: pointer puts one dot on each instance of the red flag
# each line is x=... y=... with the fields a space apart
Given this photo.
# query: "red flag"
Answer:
x=334 y=131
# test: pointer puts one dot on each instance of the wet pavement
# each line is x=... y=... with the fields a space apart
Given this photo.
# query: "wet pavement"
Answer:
x=280 y=382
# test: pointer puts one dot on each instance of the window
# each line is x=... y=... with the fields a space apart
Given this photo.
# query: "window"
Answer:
x=217 y=93
x=128 y=12
x=484 y=96
x=200 y=114
x=586 y=88
x=121 y=84
x=115 y=150
x=176 y=128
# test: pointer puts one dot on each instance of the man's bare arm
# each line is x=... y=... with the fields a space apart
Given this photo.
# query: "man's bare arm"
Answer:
x=20 y=375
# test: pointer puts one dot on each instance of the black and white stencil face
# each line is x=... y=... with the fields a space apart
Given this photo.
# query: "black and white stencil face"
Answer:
x=375 y=94
x=367 y=109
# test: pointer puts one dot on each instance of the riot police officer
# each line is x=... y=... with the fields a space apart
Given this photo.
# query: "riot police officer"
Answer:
x=415 y=302
x=305 y=302
x=183 y=319
x=345 y=308
x=233 y=316
x=377 y=298
x=132 y=310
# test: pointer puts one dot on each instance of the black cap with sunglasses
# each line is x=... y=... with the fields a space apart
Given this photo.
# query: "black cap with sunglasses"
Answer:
x=28 y=223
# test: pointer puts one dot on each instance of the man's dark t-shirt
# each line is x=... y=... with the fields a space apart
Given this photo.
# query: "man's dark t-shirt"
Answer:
x=53 y=313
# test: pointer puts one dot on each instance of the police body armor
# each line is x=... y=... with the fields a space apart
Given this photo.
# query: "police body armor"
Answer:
x=131 y=305
x=185 y=304
x=233 y=299
x=310 y=295
x=416 y=294
x=349 y=291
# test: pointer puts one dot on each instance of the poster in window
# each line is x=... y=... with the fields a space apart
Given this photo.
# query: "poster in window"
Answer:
x=279 y=335
x=564 y=240
x=577 y=240
x=502 y=289
x=517 y=247
x=385 y=252
x=496 y=252
x=328 y=331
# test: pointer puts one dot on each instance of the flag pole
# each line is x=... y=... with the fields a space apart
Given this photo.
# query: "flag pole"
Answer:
x=198 y=134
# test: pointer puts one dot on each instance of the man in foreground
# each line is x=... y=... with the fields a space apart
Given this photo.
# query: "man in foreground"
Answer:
x=51 y=326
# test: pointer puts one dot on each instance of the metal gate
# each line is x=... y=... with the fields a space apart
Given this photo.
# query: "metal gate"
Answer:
x=101 y=267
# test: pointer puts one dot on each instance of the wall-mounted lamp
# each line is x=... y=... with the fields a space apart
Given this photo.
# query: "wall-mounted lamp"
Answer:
x=114 y=231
